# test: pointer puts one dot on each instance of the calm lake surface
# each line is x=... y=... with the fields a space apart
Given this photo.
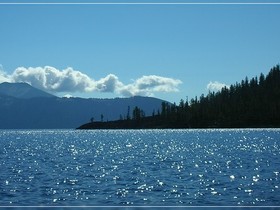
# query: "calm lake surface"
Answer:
x=213 y=167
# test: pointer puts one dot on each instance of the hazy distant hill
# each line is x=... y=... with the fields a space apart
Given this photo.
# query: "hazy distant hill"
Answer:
x=43 y=110
x=21 y=90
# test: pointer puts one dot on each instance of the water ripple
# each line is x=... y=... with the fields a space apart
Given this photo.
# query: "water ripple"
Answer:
x=140 y=167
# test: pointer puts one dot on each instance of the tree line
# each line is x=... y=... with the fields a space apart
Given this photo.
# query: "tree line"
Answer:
x=250 y=103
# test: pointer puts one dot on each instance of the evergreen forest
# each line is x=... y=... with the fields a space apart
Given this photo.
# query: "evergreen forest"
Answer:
x=250 y=103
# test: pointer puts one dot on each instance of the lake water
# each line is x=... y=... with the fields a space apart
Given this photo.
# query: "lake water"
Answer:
x=237 y=167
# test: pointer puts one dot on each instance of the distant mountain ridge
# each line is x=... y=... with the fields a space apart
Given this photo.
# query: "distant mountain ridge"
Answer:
x=25 y=107
x=22 y=90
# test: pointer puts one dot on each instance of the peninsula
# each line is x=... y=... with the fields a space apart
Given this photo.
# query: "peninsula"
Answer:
x=250 y=103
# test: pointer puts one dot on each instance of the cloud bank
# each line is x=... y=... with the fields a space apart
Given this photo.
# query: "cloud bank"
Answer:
x=215 y=86
x=69 y=80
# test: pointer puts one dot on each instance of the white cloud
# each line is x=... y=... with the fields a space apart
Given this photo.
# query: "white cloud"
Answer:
x=67 y=96
x=110 y=83
x=51 y=79
x=3 y=76
x=147 y=85
x=69 y=81
x=215 y=86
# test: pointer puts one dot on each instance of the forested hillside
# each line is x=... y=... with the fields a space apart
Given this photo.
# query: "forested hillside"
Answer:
x=251 y=103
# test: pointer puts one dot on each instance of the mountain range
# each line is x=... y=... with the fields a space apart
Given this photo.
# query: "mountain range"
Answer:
x=25 y=107
x=22 y=90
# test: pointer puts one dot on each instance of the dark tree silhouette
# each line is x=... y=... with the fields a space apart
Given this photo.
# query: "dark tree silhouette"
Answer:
x=250 y=103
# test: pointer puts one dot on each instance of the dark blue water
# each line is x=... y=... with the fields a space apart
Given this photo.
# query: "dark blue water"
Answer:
x=140 y=167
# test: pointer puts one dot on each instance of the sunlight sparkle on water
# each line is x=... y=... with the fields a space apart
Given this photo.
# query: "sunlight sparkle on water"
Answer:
x=140 y=167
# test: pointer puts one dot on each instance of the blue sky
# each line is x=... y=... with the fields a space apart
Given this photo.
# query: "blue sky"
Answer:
x=105 y=50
